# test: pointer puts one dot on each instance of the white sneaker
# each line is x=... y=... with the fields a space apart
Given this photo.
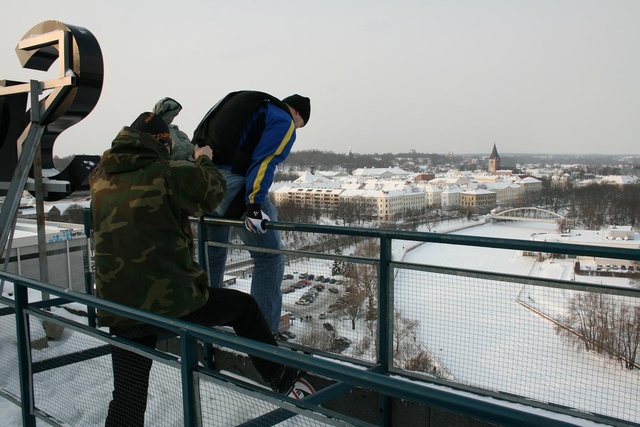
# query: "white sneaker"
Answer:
x=301 y=389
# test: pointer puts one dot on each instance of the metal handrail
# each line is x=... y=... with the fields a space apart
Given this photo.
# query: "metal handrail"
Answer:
x=378 y=377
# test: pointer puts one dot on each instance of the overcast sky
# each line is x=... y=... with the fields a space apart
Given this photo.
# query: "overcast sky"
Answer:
x=544 y=76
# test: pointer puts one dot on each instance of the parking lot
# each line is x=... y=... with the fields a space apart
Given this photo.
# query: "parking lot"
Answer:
x=308 y=296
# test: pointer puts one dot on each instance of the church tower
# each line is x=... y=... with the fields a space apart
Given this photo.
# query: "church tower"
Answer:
x=494 y=160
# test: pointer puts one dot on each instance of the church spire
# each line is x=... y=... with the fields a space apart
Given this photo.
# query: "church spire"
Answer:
x=494 y=153
x=494 y=160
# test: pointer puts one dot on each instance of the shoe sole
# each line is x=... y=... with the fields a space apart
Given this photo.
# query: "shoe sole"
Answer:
x=301 y=389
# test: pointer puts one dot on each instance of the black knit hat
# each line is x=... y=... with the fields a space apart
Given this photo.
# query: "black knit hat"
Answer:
x=302 y=104
x=153 y=124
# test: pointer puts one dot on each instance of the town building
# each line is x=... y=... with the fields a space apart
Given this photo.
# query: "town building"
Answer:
x=478 y=201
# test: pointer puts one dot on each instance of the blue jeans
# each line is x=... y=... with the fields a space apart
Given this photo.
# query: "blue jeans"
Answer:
x=268 y=268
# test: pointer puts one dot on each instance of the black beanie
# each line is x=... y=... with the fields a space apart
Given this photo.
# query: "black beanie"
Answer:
x=153 y=124
x=302 y=104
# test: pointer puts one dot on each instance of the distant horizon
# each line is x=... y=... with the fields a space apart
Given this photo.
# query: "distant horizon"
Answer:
x=478 y=153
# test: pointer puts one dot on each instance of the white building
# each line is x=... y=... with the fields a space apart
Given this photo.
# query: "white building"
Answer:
x=506 y=192
x=530 y=184
x=390 y=193
x=67 y=250
x=450 y=197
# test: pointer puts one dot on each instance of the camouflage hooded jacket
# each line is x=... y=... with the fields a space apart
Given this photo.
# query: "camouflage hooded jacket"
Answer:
x=140 y=207
x=168 y=109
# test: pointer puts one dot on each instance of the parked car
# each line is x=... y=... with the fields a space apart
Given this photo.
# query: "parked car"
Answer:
x=318 y=286
x=285 y=335
x=288 y=334
x=301 y=283
x=336 y=306
x=333 y=290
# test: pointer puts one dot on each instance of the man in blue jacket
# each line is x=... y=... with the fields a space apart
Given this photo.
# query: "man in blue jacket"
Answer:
x=250 y=133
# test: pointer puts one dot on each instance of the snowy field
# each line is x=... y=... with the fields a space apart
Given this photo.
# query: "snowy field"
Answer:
x=486 y=338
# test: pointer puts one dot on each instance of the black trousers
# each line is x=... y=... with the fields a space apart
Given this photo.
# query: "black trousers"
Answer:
x=225 y=307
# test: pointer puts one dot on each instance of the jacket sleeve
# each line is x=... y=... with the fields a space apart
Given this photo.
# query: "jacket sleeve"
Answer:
x=272 y=149
x=199 y=187
x=182 y=148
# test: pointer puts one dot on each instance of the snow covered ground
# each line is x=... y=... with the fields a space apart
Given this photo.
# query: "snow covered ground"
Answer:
x=485 y=337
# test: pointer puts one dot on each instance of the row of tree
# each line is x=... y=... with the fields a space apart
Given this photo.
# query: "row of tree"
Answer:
x=590 y=207
x=605 y=325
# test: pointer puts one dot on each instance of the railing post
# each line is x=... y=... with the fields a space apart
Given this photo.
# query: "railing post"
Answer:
x=203 y=261
x=190 y=393
x=88 y=274
x=385 y=323
x=24 y=356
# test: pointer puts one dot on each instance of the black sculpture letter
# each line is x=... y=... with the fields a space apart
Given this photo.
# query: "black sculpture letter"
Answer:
x=72 y=96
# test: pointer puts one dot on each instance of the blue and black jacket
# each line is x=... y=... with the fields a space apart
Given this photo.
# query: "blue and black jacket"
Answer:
x=250 y=133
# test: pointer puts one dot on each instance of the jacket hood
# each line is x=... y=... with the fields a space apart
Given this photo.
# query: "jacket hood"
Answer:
x=132 y=150
x=168 y=109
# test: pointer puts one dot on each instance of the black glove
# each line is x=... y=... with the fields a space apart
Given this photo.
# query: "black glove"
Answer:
x=255 y=220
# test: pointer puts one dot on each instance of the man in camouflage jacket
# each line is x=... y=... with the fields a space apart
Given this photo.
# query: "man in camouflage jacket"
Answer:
x=144 y=257
x=141 y=203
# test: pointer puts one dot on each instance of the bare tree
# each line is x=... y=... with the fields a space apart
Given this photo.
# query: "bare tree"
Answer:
x=627 y=335
x=589 y=316
x=421 y=362
x=366 y=277
x=604 y=326
x=353 y=308
x=403 y=328
x=318 y=337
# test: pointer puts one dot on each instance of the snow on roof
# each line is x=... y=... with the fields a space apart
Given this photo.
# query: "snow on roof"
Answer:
x=61 y=206
x=381 y=172
x=478 y=191
x=620 y=179
x=26 y=231
x=598 y=237
x=529 y=179
x=500 y=185
x=312 y=177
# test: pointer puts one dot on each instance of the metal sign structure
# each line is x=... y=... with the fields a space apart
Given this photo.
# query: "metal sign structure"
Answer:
x=27 y=136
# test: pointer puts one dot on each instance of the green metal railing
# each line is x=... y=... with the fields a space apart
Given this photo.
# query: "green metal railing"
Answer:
x=380 y=375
